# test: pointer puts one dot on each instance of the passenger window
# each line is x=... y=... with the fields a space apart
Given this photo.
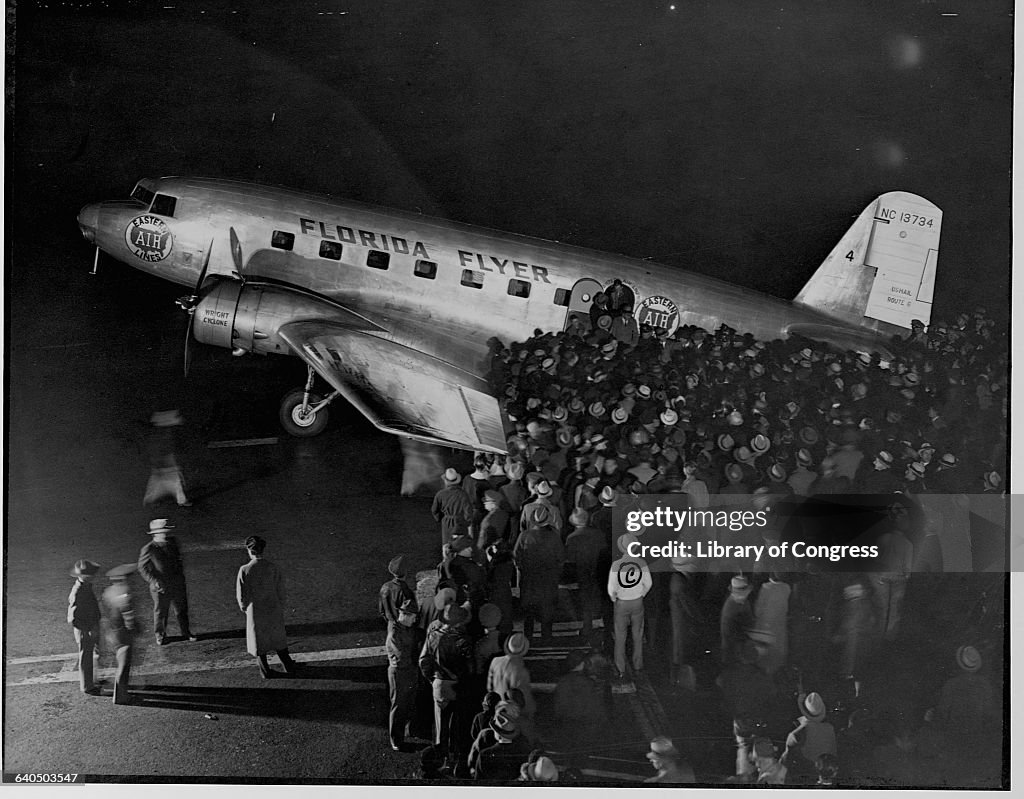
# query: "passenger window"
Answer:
x=562 y=297
x=474 y=280
x=426 y=269
x=330 y=249
x=282 y=240
x=163 y=204
x=377 y=259
x=519 y=288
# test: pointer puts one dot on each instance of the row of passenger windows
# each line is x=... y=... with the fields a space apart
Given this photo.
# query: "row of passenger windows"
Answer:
x=378 y=259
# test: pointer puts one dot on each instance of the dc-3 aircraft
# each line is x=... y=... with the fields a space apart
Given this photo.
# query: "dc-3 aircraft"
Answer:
x=394 y=310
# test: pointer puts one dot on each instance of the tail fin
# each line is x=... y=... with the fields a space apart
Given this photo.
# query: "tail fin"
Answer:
x=882 y=272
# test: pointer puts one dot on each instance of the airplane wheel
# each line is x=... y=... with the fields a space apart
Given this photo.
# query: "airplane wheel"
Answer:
x=295 y=422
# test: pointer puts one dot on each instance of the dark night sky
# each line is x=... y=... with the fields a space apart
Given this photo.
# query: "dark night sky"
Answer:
x=732 y=138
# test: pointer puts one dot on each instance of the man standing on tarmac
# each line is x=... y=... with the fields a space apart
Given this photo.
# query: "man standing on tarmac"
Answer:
x=84 y=618
x=453 y=508
x=395 y=592
x=160 y=565
x=122 y=627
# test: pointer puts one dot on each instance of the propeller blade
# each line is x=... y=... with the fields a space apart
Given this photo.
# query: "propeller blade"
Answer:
x=192 y=310
x=236 y=252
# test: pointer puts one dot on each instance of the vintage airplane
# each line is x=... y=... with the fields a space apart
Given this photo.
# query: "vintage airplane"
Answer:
x=394 y=310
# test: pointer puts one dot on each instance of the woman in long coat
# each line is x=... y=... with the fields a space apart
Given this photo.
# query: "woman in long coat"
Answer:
x=260 y=593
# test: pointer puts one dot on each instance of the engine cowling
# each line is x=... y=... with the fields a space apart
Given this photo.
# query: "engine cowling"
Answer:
x=247 y=316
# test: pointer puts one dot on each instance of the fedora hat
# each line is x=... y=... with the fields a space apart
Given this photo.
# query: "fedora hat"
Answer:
x=743 y=455
x=396 y=566
x=777 y=473
x=669 y=417
x=760 y=443
x=159 y=526
x=121 y=572
x=608 y=495
x=725 y=442
x=813 y=706
x=451 y=476
x=84 y=567
x=597 y=409
x=808 y=435
x=804 y=457
x=454 y=615
x=517 y=644
x=619 y=415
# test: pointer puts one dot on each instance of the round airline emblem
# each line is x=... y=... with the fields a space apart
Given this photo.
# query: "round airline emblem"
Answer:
x=149 y=238
x=658 y=311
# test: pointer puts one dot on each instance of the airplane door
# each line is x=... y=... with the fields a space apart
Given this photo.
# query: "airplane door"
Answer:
x=581 y=299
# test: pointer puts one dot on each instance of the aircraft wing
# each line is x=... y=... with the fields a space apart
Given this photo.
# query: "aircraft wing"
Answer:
x=399 y=389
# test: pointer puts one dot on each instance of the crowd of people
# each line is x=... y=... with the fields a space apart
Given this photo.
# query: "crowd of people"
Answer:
x=608 y=413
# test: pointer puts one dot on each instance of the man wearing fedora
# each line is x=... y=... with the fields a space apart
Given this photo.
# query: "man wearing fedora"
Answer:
x=395 y=592
x=260 y=592
x=452 y=507
x=165 y=479
x=84 y=618
x=122 y=627
x=160 y=565
x=669 y=763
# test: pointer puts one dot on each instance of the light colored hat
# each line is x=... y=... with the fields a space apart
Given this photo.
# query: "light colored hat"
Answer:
x=643 y=391
x=760 y=444
x=597 y=409
x=84 y=567
x=604 y=321
x=739 y=585
x=543 y=488
x=743 y=455
x=813 y=706
x=853 y=591
x=734 y=472
x=515 y=470
x=506 y=720
x=662 y=747
x=579 y=517
x=608 y=495
x=165 y=418
x=517 y=644
x=624 y=541
x=804 y=457
x=968 y=658
x=564 y=438
x=669 y=417
x=993 y=480
x=735 y=418
x=726 y=442
x=885 y=457
x=950 y=460
x=777 y=473
x=559 y=414
x=542 y=769
x=121 y=572
x=451 y=476
x=619 y=415
x=159 y=526
x=918 y=469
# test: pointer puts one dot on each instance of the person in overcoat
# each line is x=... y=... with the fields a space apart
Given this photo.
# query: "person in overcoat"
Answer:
x=539 y=554
x=453 y=508
x=84 y=618
x=771 y=618
x=261 y=596
x=122 y=627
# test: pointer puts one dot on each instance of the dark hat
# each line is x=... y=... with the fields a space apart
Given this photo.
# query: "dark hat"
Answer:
x=84 y=567
x=121 y=572
x=461 y=542
x=763 y=747
x=255 y=544
x=968 y=658
x=492 y=496
x=454 y=615
x=397 y=566
x=489 y=615
x=506 y=720
x=408 y=606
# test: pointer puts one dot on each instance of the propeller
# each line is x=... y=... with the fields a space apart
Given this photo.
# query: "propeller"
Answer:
x=189 y=305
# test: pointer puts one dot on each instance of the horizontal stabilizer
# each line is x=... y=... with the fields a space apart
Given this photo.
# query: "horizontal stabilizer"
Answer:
x=882 y=272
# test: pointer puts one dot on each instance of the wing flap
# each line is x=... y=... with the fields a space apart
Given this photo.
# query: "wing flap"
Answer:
x=399 y=389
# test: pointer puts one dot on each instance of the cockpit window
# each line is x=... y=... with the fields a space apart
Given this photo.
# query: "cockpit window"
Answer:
x=163 y=204
x=142 y=194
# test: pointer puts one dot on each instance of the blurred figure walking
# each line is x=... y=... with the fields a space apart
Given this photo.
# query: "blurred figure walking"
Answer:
x=165 y=478
x=122 y=627
x=260 y=593
x=84 y=618
x=160 y=565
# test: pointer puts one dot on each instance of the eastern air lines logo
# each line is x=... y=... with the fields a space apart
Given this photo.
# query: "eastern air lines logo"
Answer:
x=658 y=311
x=149 y=238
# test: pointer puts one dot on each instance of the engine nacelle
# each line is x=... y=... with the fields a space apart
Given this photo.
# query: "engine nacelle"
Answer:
x=247 y=316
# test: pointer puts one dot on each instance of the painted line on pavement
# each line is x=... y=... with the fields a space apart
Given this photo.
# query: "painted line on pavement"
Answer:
x=194 y=666
x=241 y=442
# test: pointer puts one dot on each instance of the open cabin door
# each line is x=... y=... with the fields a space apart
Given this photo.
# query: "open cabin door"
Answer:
x=580 y=300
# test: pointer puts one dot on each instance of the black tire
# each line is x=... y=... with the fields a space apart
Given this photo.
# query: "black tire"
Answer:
x=289 y=418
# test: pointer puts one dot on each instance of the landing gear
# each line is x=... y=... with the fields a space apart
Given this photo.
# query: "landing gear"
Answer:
x=303 y=412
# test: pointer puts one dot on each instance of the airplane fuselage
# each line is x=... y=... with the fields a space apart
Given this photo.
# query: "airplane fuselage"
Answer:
x=441 y=287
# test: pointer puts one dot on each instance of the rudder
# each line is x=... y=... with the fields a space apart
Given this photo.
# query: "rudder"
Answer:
x=882 y=272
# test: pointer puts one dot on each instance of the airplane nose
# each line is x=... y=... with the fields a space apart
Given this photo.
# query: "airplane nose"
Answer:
x=88 y=221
